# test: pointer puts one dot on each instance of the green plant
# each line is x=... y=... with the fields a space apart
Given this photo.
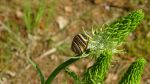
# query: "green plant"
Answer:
x=32 y=18
x=11 y=37
x=133 y=74
x=102 y=45
x=96 y=73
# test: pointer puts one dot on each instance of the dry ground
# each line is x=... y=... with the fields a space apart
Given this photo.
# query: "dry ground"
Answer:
x=51 y=46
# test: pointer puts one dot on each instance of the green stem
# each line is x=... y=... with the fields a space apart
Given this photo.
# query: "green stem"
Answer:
x=59 y=68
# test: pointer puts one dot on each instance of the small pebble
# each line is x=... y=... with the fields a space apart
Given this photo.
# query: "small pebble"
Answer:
x=68 y=9
x=19 y=14
x=61 y=21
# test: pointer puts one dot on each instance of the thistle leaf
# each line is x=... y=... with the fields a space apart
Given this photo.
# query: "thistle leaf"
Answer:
x=134 y=72
x=96 y=73
x=108 y=37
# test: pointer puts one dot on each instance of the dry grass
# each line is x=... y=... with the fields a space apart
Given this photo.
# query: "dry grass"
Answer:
x=49 y=45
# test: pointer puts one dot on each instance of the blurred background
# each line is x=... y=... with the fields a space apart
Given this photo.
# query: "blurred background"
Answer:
x=48 y=43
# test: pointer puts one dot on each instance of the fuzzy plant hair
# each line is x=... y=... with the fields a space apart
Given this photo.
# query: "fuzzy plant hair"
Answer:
x=108 y=37
x=96 y=73
x=104 y=43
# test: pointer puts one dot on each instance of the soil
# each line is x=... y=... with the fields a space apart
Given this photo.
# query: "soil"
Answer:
x=49 y=47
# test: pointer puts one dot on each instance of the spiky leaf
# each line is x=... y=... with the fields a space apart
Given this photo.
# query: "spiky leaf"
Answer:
x=134 y=72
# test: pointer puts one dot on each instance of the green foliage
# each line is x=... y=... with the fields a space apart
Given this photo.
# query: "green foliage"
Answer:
x=59 y=68
x=102 y=45
x=96 y=73
x=110 y=36
x=133 y=74
x=13 y=37
x=73 y=75
x=28 y=16
x=32 y=18
x=105 y=41
x=51 y=11
x=39 y=14
x=38 y=71
x=9 y=37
